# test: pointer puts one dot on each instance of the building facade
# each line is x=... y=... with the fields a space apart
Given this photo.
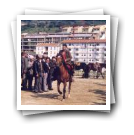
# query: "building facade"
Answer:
x=84 y=29
x=29 y=41
x=50 y=49
x=87 y=51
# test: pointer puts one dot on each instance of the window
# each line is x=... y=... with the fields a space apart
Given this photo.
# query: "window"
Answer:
x=97 y=49
x=46 y=48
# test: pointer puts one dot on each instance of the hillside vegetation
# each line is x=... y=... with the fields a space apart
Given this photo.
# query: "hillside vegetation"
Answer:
x=35 y=26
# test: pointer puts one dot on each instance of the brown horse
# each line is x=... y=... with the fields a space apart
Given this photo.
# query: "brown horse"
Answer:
x=63 y=76
x=96 y=67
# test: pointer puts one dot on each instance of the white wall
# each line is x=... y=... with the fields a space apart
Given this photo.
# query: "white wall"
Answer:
x=89 y=50
x=52 y=51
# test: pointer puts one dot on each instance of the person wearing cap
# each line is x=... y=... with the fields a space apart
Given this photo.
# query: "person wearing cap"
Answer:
x=38 y=73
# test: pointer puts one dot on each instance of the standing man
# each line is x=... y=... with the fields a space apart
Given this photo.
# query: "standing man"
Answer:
x=39 y=73
x=52 y=65
x=24 y=62
x=30 y=72
x=45 y=55
x=46 y=72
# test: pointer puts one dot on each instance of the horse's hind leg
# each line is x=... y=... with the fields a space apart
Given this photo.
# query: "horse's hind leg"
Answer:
x=64 y=90
x=102 y=75
x=58 y=87
x=97 y=75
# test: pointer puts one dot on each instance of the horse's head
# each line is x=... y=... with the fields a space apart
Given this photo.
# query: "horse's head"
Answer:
x=59 y=60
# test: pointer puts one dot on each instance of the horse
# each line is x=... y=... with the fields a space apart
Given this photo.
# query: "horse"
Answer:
x=78 y=66
x=96 y=67
x=63 y=77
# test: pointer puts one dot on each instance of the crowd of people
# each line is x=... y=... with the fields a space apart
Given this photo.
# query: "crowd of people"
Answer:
x=43 y=70
x=40 y=68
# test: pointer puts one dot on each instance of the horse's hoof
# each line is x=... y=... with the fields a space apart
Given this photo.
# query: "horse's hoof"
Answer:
x=60 y=92
x=68 y=96
x=63 y=100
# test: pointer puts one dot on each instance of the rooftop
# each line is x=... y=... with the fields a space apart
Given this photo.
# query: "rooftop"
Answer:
x=85 y=41
x=47 y=44
x=57 y=35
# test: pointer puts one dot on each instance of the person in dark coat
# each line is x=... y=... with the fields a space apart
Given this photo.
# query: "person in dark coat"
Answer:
x=38 y=73
x=52 y=65
x=24 y=64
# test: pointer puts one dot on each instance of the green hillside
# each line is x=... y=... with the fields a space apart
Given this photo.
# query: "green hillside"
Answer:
x=35 y=26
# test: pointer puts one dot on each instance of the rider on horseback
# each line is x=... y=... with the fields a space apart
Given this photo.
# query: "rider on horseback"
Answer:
x=66 y=55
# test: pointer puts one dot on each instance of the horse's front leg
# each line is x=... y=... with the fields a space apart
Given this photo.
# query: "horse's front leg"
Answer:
x=64 y=90
x=58 y=87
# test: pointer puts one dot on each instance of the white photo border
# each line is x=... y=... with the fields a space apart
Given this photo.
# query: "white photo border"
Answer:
x=63 y=107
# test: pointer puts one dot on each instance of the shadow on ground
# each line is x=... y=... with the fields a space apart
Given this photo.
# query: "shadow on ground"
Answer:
x=100 y=84
x=97 y=91
x=101 y=94
x=50 y=96
x=95 y=103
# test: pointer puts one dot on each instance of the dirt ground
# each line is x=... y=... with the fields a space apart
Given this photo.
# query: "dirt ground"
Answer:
x=83 y=92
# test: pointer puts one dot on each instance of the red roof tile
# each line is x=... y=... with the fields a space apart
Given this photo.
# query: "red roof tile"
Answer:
x=47 y=44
